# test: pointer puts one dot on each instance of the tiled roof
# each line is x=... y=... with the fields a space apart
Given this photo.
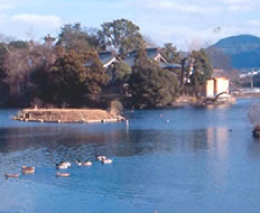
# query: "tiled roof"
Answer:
x=152 y=53
x=105 y=57
x=170 y=66
x=130 y=58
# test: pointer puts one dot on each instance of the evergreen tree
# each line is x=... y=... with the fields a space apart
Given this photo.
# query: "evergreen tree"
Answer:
x=73 y=75
x=150 y=86
x=202 y=70
x=171 y=53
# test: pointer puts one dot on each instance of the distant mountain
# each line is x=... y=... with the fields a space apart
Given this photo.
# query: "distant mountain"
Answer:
x=241 y=52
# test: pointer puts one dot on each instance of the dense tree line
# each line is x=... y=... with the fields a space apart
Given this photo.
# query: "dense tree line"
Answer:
x=66 y=71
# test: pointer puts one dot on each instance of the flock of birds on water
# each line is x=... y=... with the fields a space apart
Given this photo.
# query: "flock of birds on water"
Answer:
x=63 y=165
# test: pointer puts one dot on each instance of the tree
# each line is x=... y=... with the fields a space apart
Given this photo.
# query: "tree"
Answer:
x=141 y=58
x=42 y=57
x=49 y=40
x=120 y=72
x=17 y=68
x=149 y=42
x=73 y=75
x=74 y=37
x=23 y=62
x=3 y=53
x=202 y=70
x=120 y=35
x=95 y=73
x=150 y=86
x=18 y=44
x=171 y=53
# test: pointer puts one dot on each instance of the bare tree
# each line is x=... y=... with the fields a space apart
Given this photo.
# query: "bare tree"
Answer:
x=254 y=114
x=17 y=66
x=149 y=43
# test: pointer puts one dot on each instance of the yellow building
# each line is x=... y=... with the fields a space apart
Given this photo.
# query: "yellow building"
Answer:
x=218 y=84
x=210 y=88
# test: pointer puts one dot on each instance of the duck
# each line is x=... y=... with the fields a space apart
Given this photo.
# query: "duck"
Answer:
x=12 y=175
x=61 y=166
x=86 y=163
x=58 y=174
x=28 y=169
x=100 y=157
x=107 y=161
x=66 y=163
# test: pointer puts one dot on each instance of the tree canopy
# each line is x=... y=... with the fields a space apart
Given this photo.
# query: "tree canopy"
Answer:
x=171 y=53
x=75 y=74
x=120 y=72
x=120 y=35
x=150 y=86
x=202 y=70
x=75 y=37
x=67 y=69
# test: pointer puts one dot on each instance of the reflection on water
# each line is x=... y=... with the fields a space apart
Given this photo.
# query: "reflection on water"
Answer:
x=59 y=143
x=181 y=160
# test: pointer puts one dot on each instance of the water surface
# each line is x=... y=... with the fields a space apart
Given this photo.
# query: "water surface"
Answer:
x=181 y=160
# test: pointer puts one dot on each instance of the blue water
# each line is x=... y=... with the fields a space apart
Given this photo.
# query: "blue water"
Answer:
x=181 y=160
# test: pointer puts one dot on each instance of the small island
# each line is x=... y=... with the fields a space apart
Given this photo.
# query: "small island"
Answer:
x=56 y=115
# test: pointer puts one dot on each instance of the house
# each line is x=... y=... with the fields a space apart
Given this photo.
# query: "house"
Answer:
x=153 y=54
x=218 y=84
x=107 y=58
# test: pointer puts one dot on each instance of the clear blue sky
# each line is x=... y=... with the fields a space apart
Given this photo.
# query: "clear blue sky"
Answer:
x=186 y=23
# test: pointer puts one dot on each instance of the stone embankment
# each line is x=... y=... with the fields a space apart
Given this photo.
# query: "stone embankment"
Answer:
x=67 y=116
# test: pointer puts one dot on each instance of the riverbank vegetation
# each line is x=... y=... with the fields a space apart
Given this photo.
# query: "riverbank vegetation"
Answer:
x=66 y=71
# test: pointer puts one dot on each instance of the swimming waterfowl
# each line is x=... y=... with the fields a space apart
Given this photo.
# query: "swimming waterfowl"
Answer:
x=28 y=169
x=107 y=161
x=62 y=174
x=100 y=157
x=12 y=175
x=86 y=163
x=61 y=166
x=66 y=163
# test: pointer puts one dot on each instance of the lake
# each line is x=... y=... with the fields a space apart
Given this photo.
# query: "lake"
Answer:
x=180 y=160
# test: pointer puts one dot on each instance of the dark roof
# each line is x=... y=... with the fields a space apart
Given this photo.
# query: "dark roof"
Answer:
x=105 y=57
x=130 y=60
x=170 y=66
x=151 y=54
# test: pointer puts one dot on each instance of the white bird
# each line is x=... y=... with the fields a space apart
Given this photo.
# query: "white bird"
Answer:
x=86 y=163
x=66 y=163
x=58 y=166
x=62 y=165
x=107 y=161
x=100 y=157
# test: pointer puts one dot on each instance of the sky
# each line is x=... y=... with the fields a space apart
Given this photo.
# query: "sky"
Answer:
x=188 y=24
